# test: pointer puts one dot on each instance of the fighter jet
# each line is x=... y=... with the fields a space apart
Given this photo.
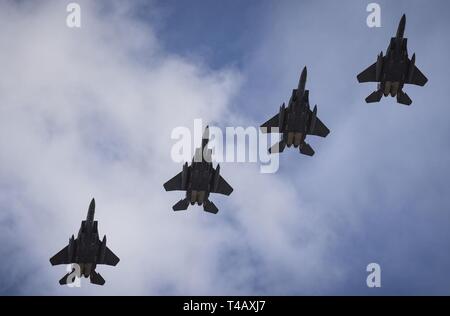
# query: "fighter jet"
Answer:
x=199 y=180
x=394 y=70
x=296 y=121
x=87 y=251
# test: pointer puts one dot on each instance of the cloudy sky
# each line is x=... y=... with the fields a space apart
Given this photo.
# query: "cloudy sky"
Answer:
x=89 y=113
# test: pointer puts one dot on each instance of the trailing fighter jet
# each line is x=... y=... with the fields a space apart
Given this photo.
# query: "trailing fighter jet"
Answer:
x=296 y=121
x=394 y=70
x=87 y=251
x=199 y=180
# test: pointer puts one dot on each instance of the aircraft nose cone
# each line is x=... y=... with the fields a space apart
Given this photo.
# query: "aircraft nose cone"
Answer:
x=401 y=26
x=92 y=204
x=304 y=72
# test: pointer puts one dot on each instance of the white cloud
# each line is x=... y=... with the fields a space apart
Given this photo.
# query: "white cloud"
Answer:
x=86 y=115
x=89 y=112
x=80 y=117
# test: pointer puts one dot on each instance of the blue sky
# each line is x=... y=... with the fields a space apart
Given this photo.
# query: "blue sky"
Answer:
x=89 y=112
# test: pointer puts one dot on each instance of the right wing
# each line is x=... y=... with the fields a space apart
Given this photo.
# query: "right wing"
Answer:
x=61 y=257
x=174 y=184
x=418 y=78
x=368 y=75
x=320 y=129
x=110 y=258
x=223 y=187
x=273 y=122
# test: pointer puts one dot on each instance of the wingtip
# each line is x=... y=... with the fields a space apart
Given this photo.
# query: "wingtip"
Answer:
x=165 y=186
x=358 y=77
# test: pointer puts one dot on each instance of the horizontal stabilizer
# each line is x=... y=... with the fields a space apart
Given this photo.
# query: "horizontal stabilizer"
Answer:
x=181 y=205
x=374 y=97
x=96 y=278
x=277 y=148
x=64 y=280
x=305 y=149
x=69 y=278
x=403 y=98
x=209 y=207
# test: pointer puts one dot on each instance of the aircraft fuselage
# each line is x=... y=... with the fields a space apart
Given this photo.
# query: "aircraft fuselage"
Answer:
x=395 y=67
x=297 y=120
x=199 y=182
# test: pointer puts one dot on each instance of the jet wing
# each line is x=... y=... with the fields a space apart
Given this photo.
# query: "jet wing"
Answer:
x=368 y=75
x=419 y=78
x=110 y=258
x=272 y=123
x=61 y=257
x=223 y=187
x=174 y=184
x=320 y=129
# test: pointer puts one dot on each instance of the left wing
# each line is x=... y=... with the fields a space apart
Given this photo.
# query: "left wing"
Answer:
x=174 y=184
x=272 y=123
x=223 y=187
x=110 y=258
x=368 y=75
x=319 y=129
x=61 y=257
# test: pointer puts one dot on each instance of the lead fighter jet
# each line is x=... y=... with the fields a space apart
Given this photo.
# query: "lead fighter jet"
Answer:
x=199 y=180
x=87 y=251
x=394 y=70
x=296 y=121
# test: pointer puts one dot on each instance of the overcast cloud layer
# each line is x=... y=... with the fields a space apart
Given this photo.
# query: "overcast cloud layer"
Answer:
x=89 y=112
